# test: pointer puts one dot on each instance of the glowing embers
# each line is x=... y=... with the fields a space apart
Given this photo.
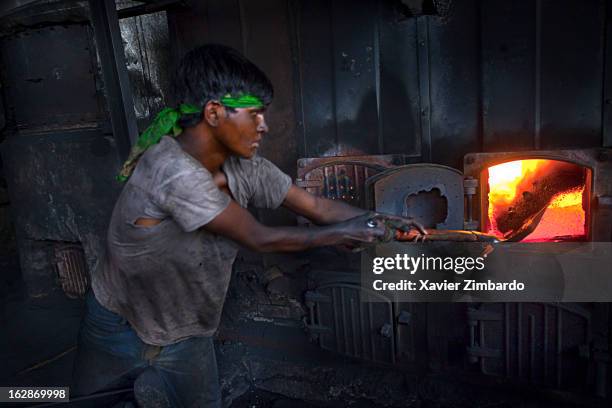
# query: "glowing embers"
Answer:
x=537 y=200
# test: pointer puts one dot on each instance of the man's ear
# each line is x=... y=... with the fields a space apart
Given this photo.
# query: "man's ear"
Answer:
x=213 y=112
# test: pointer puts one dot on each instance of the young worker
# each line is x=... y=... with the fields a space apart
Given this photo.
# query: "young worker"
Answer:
x=177 y=226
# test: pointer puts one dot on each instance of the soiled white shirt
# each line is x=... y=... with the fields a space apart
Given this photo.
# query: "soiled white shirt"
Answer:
x=170 y=280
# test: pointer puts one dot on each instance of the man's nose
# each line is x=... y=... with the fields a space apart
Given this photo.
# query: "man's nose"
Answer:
x=262 y=127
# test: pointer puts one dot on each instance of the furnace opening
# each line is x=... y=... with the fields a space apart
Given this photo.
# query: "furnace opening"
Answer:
x=537 y=200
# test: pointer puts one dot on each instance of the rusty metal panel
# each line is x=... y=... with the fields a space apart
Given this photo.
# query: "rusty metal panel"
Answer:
x=342 y=178
x=430 y=193
x=72 y=269
x=49 y=78
x=539 y=343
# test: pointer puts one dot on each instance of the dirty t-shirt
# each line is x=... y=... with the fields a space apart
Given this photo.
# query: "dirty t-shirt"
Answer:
x=170 y=280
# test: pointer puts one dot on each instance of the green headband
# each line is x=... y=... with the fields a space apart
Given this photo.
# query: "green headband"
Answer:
x=243 y=101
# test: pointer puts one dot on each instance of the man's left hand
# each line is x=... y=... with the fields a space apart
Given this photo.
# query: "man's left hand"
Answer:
x=395 y=222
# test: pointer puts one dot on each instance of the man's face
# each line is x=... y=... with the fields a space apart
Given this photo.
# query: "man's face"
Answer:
x=242 y=131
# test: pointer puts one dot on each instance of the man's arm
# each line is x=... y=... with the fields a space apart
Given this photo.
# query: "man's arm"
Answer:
x=238 y=224
x=323 y=211
x=319 y=210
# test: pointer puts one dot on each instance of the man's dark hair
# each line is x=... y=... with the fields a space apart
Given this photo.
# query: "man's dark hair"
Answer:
x=211 y=71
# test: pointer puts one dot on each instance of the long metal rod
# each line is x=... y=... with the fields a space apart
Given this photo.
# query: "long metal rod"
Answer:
x=116 y=82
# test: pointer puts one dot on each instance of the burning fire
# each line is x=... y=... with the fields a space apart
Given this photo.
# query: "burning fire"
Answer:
x=512 y=184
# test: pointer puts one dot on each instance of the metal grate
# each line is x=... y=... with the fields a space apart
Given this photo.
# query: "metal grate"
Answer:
x=342 y=178
x=344 y=319
x=71 y=269
x=538 y=343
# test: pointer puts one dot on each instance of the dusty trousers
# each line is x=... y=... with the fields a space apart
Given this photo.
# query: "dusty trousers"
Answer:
x=111 y=356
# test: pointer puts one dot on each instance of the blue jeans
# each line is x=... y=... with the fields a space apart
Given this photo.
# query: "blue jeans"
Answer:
x=111 y=356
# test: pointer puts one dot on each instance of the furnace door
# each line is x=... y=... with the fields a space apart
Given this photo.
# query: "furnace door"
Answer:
x=430 y=193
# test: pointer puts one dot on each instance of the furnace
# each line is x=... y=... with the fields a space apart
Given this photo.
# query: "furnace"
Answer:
x=555 y=196
x=532 y=197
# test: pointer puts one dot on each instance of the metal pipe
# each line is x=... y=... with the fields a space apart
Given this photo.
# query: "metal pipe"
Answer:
x=114 y=73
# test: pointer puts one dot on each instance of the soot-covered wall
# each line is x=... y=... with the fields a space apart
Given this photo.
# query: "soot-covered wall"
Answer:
x=363 y=77
x=58 y=155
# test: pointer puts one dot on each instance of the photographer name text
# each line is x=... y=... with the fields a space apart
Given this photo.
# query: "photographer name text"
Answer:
x=465 y=285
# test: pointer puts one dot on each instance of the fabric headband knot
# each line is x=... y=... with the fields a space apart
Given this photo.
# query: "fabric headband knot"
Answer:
x=166 y=123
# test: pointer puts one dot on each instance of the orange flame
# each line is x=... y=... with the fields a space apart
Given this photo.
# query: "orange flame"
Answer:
x=564 y=215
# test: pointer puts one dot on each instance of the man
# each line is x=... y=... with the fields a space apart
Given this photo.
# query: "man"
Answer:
x=177 y=226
